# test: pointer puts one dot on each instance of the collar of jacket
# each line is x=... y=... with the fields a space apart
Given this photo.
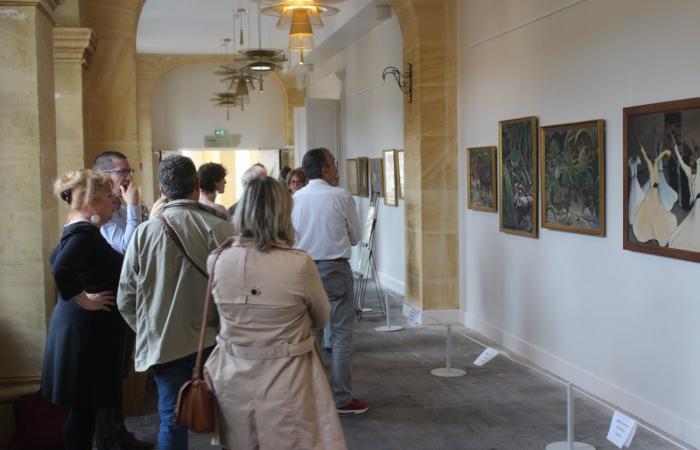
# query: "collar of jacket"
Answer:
x=250 y=242
x=193 y=204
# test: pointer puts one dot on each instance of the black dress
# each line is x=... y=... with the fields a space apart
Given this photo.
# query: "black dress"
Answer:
x=82 y=359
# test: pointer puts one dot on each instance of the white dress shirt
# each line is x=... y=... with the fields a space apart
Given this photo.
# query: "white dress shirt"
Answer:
x=325 y=220
x=121 y=227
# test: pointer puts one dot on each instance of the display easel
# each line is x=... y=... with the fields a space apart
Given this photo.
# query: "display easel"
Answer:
x=367 y=268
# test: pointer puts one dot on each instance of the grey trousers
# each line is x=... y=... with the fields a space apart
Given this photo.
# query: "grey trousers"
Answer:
x=338 y=284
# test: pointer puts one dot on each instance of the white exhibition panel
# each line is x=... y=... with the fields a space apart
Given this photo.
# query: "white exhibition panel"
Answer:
x=182 y=113
x=620 y=324
x=371 y=120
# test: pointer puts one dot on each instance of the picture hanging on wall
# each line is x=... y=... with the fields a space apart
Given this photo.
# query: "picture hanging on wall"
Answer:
x=390 y=175
x=351 y=173
x=572 y=167
x=362 y=177
x=399 y=156
x=376 y=170
x=661 y=196
x=481 y=183
x=517 y=167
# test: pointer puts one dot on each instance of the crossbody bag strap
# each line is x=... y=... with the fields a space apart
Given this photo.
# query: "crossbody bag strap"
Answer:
x=197 y=372
x=173 y=235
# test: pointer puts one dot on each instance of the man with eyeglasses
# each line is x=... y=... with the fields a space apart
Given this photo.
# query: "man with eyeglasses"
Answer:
x=110 y=430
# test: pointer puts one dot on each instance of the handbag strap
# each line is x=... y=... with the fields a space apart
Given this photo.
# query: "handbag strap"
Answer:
x=197 y=372
x=173 y=235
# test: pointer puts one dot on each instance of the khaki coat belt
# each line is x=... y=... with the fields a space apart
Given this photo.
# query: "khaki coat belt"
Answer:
x=269 y=352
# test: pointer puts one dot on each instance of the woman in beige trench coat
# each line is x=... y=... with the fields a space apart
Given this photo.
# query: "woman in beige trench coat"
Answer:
x=265 y=371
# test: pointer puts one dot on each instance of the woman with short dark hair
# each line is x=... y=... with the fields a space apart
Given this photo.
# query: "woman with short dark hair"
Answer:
x=296 y=179
x=212 y=181
x=265 y=370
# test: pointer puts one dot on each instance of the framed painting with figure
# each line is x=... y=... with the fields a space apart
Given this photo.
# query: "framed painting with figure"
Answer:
x=351 y=173
x=389 y=178
x=481 y=183
x=661 y=191
x=399 y=156
x=362 y=176
x=376 y=170
x=517 y=168
x=572 y=169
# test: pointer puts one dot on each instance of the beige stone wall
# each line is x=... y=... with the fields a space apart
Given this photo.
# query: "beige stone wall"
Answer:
x=28 y=165
x=430 y=146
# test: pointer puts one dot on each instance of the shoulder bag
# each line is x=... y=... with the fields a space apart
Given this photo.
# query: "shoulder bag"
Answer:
x=195 y=402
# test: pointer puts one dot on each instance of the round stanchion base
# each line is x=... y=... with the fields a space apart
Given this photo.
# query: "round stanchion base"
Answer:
x=446 y=372
x=389 y=328
x=564 y=445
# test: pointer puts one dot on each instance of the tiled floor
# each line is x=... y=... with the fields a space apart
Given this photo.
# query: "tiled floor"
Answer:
x=502 y=406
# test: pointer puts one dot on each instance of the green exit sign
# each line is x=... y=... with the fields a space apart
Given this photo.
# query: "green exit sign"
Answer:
x=219 y=132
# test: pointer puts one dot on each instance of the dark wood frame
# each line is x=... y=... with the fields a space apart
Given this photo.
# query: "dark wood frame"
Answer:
x=381 y=175
x=534 y=187
x=675 y=105
x=363 y=161
x=600 y=125
x=494 y=172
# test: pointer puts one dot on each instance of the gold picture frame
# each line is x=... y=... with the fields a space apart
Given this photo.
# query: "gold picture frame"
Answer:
x=572 y=176
x=363 y=176
x=482 y=183
x=351 y=172
x=390 y=178
x=399 y=155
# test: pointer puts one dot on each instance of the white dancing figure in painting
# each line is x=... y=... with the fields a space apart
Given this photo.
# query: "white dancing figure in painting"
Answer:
x=687 y=235
x=636 y=192
x=652 y=220
x=667 y=196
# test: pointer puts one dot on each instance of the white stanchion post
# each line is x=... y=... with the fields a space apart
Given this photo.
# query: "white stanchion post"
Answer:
x=569 y=444
x=448 y=371
x=388 y=327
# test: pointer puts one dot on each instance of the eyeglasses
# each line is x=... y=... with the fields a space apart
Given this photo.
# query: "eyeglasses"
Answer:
x=122 y=172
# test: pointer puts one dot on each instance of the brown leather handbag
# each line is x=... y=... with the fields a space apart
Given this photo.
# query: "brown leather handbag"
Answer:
x=195 y=407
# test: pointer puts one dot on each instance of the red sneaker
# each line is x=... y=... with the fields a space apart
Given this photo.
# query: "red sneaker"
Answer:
x=354 y=407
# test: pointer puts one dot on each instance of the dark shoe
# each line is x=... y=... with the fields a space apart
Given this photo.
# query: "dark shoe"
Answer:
x=131 y=443
x=354 y=407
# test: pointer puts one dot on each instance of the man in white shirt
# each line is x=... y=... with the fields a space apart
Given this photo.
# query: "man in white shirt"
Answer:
x=327 y=225
x=110 y=431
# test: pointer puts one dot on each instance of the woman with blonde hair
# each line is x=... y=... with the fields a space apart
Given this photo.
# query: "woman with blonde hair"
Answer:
x=265 y=371
x=82 y=365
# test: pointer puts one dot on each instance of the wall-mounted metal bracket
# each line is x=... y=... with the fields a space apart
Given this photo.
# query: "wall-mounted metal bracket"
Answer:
x=405 y=80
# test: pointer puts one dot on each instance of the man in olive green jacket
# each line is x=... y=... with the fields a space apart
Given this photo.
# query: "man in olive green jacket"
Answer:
x=161 y=293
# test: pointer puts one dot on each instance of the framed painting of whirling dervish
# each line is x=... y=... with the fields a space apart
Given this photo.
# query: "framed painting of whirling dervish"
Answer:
x=661 y=196
x=572 y=171
x=517 y=169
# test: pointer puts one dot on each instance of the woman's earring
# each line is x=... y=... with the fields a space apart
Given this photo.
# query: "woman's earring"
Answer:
x=95 y=219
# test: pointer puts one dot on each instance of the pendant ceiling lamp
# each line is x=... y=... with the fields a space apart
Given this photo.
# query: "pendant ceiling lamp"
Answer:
x=300 y=17
x=263 y=60
x=226 y=99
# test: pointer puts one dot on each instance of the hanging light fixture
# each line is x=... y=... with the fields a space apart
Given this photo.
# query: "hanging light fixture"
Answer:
x=300 y=17
x=263 y=59
x=226 y=99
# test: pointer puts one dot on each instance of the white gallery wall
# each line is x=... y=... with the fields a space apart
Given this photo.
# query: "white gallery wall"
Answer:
x=182 y=113
x=620 y=324
x=371 y=121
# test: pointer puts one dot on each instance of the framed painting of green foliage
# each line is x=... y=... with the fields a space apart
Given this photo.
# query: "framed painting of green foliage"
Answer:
x=363 y=176
x=661 y=191
x=481 y=184
x=376 y=170
x=572 y=170
x=517 y=168
x=351 y=172
x=390 y=177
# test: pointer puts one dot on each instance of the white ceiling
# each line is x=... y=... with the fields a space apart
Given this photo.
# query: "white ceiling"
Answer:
x=186 y=26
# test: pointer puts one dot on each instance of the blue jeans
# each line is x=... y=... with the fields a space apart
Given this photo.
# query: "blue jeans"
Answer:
x=169 y=378
x=338 y=284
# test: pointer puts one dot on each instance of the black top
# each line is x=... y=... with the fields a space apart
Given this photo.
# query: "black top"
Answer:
x=82 y=360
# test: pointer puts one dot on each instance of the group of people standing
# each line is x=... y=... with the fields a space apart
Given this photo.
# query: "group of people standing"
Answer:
x=279 y=268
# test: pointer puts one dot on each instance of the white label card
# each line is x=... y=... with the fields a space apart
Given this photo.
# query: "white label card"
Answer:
x=414 y=317
x=486 y=356
x=622 y=430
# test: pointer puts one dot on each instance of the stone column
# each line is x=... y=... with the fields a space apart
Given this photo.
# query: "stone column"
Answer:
x=28 y=221
x=72 y=48
x=429 y=30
